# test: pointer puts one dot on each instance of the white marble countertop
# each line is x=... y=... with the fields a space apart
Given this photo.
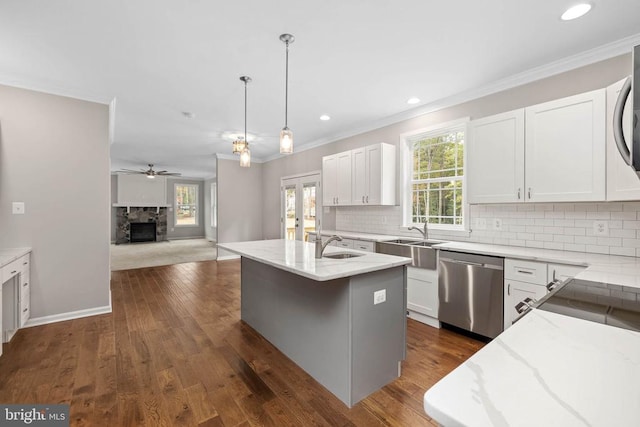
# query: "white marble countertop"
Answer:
x=8 y=255
x=546 y=370
x=299 y=258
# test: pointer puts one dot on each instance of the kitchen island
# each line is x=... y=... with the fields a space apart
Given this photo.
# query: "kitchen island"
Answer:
x=321 y=313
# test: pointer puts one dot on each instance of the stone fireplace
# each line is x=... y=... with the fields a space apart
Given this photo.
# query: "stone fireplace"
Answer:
x=125 y=216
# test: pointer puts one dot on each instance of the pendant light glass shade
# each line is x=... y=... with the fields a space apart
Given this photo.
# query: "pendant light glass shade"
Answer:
x=286 y=141
x=245 y=154
x=245 y=158
x=286 y=135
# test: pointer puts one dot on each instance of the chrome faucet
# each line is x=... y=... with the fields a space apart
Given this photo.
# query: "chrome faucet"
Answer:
x=424 y=231
x=320 y=247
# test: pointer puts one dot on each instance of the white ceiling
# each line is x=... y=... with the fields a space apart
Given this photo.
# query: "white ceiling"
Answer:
x=357 y=61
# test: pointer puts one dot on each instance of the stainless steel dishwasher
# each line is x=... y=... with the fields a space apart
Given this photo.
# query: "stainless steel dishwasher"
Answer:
x=471 y=292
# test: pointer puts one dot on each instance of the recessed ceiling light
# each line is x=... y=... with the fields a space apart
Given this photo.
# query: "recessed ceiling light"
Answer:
x=324 y=117
x=576 y=11
x=413 y=100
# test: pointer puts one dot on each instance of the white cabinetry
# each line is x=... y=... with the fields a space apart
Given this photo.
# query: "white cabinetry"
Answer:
x=336 y=178
x=622 y=181
x=494 y=139
x=364 y=176
x=15 y=296
x=548 y=152
x=522 y=279
x=373 y=171
x=528 y=279
x=422 y=295
x=361 y=245
x=565 y=149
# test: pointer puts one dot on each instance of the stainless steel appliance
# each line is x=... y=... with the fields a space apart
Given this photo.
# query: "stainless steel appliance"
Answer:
x=594 y=301
x=630 y=152
x=471 y=292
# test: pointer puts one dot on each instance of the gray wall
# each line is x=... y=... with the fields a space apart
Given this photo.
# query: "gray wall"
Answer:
x=583 y=79
x=184 y=232
x=54 y=157
x=240 y=202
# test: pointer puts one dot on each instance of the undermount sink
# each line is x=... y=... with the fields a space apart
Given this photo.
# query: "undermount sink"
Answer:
x=420 y=251
x=342 y=255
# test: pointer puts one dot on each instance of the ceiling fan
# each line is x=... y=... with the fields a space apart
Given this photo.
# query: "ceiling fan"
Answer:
x=150 y=173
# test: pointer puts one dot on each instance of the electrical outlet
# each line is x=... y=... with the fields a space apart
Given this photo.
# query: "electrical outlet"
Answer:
x=600 y=228
x=497 y=224
x=17 y=208
x=379 y=296
x=481 y=223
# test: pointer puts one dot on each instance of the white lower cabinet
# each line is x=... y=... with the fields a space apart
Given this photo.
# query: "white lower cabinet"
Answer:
x=516 y=292
x=422 y=295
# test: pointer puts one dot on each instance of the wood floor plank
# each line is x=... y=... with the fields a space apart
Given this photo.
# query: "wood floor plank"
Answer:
x=175 y=352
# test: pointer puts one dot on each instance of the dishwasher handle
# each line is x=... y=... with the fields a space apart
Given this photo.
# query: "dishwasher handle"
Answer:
x=471 y=263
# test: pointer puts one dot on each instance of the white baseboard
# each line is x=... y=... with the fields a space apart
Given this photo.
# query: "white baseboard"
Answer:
x=68 y=316
x=427 y=320
x=227 y=257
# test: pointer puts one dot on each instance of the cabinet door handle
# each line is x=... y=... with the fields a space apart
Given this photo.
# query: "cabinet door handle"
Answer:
x=529 y=193
x=363 y=199
x=25 y=263
x=14 y=272
x=509 y=289
x=367 y=199
x=25 y=285
x=25 y=310
x=525 y=272
x=518 y=194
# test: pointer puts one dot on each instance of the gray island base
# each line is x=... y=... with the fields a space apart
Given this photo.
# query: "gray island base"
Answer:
x=332 y=329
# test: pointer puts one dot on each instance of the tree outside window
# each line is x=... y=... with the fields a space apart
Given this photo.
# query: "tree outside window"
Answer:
x=436 y=177
x=186 y=202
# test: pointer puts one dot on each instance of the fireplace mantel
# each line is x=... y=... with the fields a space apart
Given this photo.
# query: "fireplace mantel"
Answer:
x=140 y=205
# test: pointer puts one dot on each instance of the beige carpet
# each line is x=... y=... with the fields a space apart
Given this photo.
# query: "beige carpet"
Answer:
x=138 y=255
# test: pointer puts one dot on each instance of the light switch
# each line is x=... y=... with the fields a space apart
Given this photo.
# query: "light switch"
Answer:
x=379 y=296
x=18 y=208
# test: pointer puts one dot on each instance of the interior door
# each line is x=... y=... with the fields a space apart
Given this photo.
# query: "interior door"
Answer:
x=301 y=204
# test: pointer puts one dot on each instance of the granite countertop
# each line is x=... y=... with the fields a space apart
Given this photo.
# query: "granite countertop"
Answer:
x=8 y=255
x=547 y=369
x=299 y=258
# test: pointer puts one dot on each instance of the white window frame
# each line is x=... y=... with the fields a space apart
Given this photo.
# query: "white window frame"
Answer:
x=407 y=170
x=175 y=204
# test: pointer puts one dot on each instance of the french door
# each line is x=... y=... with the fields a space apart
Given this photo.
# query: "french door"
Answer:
x=300 y=206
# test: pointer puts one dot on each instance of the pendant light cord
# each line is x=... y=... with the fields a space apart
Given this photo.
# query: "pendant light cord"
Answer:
x=245 y=114
x=286 y=88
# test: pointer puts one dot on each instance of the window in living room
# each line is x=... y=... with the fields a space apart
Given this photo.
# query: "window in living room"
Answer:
x=186 y=204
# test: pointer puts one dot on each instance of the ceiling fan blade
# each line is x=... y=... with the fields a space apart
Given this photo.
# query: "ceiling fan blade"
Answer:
x=128 y=171
x=169 y=173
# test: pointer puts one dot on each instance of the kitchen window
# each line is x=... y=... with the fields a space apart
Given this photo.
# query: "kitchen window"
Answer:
x=186 y=205
x=434 y=176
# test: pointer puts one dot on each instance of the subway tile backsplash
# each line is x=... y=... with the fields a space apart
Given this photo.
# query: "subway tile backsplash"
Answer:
x=604 y=228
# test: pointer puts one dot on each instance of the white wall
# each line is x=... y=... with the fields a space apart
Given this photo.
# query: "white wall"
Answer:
x=54 y=157
x=240 y=202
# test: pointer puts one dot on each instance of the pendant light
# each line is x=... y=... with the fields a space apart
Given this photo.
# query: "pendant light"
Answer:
x=245 y=154
x=238 y=144
x=286 y=136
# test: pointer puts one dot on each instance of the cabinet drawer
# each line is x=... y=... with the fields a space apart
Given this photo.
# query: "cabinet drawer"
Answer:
x=363 y=245
x=526 y=271
x=10 y=270
x=345 y=243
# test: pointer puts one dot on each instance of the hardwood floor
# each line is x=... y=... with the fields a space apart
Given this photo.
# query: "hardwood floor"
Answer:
x=174 y=352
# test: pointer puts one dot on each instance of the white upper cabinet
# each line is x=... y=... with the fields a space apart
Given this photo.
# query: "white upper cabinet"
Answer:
x=364 y=176
x=565 y=149
x=336 y=179
x=622 y=181
x=495 y=158
x=373 y=171
x=550 y=152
